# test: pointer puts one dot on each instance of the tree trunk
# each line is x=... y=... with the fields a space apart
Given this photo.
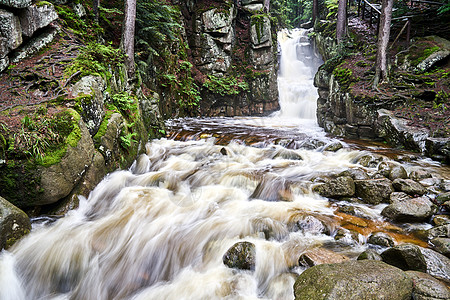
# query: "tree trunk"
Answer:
x=341 y=24
x=266 y=5
x=381 y=65
x=95 y=5
x=127 y=43
x=315 y=11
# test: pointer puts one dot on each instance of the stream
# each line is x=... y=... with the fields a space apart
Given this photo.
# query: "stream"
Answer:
x=160 y=230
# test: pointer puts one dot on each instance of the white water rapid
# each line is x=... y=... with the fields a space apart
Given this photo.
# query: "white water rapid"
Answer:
x=160 y=229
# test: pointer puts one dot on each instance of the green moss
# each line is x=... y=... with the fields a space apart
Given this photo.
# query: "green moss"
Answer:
x=226 y=85
x=418 y=57
x=43 y=3
x=103 y=126
x=257 y=20
x=344 y=76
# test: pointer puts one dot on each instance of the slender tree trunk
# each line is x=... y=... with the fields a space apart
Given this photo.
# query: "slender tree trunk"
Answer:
x=266 y=5
x=381 y=66
x=95 y=5
x=341 y=24
x=315 y=11
x=128 y=30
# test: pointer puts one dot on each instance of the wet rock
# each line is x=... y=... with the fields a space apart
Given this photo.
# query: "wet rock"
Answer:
x=409 y=186
x=399 y=196
x=365 y=279
x=369 y=160
x=356 y=174
x=260 y=33
x=427 y=287
x=441 y=220
x=416 y=258
x=381 y=239
x=441 y=245
x=241 y=256
x=108 y=142
x=370 y=254
x=14 y=224
x=374 y=191
x=398 y=172
x=318 y=256
x=322 y=79
x=354 y=211
x=333 y=147
x=384 y=168
x=273 y=188
x=10 y=32
x=340 y=187
x=216 y=21
x=36 y=16
x=410 y=210
x=311 y=225
x=16 y=3
x=442 y=198
x=439 y=231
x=347 y=237
x=90 y=98
x=287 y=154
x=419 y=174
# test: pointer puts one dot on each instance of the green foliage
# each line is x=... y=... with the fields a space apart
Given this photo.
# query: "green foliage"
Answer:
x=126 y=103
x=344 y=76
x=96 y=58
x=226 y=85
x=86 y=28
x=156 y=25
x=332 y=7
x=444 y=8
x=127 y=139
x=41 y=138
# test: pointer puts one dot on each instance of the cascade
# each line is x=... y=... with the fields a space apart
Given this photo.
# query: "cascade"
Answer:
x=160 y=230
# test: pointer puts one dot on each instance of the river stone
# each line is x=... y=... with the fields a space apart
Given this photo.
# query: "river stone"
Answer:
x=58 y=180
x=398 y=172
x=399 y=196
x=441 y=220
x=439 y=231
x=14 y=224
x=16 y=3
x=241 y=255
x=356 y=174
x=441 y=245
x=416 y=258
x=411 y=210
x=353 y=280
x=333 y=147
x=442 y=198
x=370 y=254
x=374 y=191
x=89 y=90
x=419 y=174
x=385 y=167
x=318 y=256
x=10 y=32
x=340 y=187
x=409 y=186
x=36 y=16
x=426 y=287
x=273 y=188
x=381 y=239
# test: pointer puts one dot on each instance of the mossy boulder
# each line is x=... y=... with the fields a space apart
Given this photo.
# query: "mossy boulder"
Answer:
x=365 y=279
x=14 y=224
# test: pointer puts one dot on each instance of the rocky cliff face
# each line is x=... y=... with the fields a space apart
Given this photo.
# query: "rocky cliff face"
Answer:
x=25 y=28
x=232 y=48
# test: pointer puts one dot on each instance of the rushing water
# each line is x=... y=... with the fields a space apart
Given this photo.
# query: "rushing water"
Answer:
x=160 y=229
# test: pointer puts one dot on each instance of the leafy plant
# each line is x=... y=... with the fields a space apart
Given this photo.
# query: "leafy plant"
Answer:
x=226 y=85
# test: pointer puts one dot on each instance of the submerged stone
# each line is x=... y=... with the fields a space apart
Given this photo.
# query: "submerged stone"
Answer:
x=14 y=224
x=241 y=256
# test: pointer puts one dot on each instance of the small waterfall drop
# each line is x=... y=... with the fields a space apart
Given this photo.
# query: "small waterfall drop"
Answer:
x=298 y=64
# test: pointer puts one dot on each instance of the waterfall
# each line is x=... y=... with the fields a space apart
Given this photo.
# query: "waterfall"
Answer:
x=298 y=64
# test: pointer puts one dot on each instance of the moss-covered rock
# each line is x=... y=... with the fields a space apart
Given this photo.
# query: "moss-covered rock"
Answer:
x=366 y=279
x=14 y=224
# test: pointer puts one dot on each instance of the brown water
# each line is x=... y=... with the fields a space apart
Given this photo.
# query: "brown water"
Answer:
x=160 y=229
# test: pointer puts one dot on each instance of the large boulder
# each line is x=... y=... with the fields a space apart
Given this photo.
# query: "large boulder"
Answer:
x=260 y=32
x=10 y=32
x=416 y=258
x=426 y=287
x=216 y=21
x=241 y=256
x=364 y=279
x=410 y=210
x=374 y=191
x=16 y=3
x=441 y=245
x=37 y=16
x=59 y=179
x=14 y=224
x=340 y=187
